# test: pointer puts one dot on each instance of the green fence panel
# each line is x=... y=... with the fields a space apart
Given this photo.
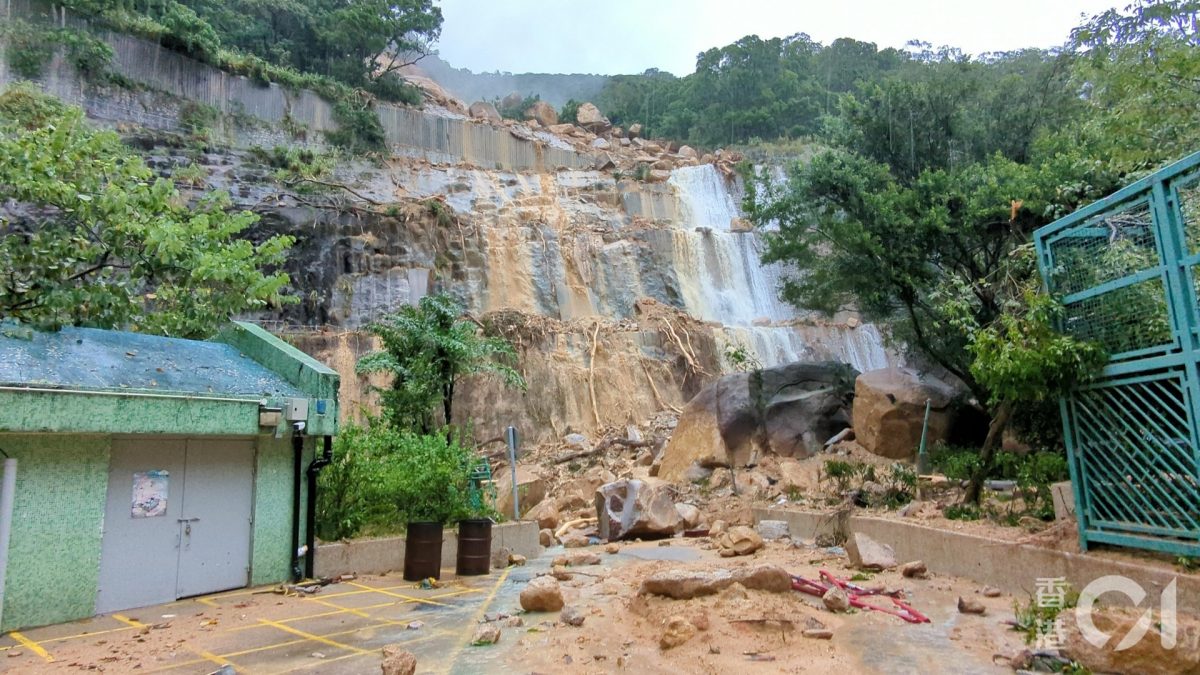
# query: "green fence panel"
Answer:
x=1125 y=271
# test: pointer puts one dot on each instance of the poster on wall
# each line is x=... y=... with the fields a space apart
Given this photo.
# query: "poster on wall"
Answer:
x=149 y=494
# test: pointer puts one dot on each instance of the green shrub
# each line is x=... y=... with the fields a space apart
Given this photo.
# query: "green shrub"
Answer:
x=382 y=478
x=962 y=512
x=359 y=130
x=569 y=113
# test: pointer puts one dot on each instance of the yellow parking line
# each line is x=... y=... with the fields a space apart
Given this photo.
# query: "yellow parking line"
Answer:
x=209 y=656
x=479 y=614
x=85 y=635
x=132 y=622
x=350 y=610
x=319 y=663
x=404 y=597
x=32 y=646
x=310 y=636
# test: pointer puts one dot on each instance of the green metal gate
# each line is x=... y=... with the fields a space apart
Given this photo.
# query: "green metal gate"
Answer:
x=1125 y=270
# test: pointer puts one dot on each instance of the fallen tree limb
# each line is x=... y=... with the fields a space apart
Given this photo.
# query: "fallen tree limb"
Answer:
x=571 y=525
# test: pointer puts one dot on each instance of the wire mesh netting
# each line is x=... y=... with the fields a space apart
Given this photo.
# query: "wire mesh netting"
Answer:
x=1126 y=270
x=1137 y=457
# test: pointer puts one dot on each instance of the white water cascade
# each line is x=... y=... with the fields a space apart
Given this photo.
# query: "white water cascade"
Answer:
x=723 y=280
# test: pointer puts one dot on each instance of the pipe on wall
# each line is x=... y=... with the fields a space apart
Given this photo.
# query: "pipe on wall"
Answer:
x=297 y=464
x=310 y=530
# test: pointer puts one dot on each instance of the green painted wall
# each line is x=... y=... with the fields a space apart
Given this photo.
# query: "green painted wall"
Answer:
x=272 y=552
x=54 y=553
x=126 y=413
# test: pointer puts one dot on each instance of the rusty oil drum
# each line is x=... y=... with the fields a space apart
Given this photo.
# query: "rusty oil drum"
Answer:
x=474 y=547
x=423 y=551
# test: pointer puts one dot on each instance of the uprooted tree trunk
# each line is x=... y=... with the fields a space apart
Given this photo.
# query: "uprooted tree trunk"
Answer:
x=987 y=453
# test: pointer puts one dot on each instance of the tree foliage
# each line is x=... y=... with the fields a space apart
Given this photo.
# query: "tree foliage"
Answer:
x=427 y=349
x=357 y=43
x=89 y=236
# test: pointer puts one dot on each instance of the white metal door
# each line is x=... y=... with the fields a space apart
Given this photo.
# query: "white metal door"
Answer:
x=218 y=502
x=139 y=550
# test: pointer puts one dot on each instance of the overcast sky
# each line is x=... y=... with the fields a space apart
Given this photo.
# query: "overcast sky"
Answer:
x=629 y=36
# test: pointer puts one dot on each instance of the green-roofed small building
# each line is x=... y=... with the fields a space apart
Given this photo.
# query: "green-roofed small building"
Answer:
x=150 y=468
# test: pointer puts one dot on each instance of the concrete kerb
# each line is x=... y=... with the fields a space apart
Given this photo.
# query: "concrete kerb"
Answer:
x=1013 y=568
x=379 y=556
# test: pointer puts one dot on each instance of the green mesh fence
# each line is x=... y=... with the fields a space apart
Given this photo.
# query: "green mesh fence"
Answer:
x=1125 y=270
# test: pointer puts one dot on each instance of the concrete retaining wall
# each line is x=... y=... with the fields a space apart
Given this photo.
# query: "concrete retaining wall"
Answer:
x=1014 y=568
x=378 y=556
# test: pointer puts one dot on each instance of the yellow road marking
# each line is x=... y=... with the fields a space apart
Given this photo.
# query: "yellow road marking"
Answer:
x=403 y=596
x=479 y=614
x=132 y=622
x=32 y=646
x=310 y=636
x=350 y=610
x=318 y=663
x=209 y=656
x=84 y=635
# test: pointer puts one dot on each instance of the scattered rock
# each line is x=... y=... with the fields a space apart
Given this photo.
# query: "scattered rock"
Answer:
x=773 y=529
x=818 y=633
x=739 y=540
x=990 y=592
x=542 y=595
x=576 y=442
x=516 y=559
x=612 y=549
x=700 y=621
x=575 y=540
x=688 y=152
x=970 y=606
x=482 y=110
x=580 y=559
x=914 y=570
x=512 y=622
x=644 y=458
x=635 y=508
x=635 y=130
x=889 y=411
x=684 y=584
x=690 y=514
x=601 y=144
x=717 y=527
x=589 y=117
x=546 y=514
x=546 y=537
x=531 y=490
x=835 y=600
x=398 y=661
x=867 y=554
x=486 y=634
x=604 y=161
x=571 y=616
x=561 y=573
x=543 y=112
x=679 y=630
x=723 y=425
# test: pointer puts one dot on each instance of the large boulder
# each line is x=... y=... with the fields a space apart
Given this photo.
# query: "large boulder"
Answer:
x=531 y=490
x=482 y=110
x=543 y=112
x=512 y=100
x=789 y=410
x=631 y=508
x=589 y=117
x=889 y=411
x=635 y=130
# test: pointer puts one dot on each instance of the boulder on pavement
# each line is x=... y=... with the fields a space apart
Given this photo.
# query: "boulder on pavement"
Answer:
x=867 y=554
x=889 y=411
x=789 y=410
x=739 y=540
x=542 y=595
x=486 y=634
x=636 y=508
x=398 y=661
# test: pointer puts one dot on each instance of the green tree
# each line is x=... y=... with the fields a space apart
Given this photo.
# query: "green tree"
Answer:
x=1140 y=72
x=91 y=237
x=427 y=349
